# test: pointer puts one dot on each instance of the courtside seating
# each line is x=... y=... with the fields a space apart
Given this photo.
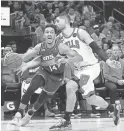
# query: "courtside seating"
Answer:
x=13 y=90
x=102 y=90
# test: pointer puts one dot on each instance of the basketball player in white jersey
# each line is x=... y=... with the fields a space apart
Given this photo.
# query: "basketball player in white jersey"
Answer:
x=86 y=71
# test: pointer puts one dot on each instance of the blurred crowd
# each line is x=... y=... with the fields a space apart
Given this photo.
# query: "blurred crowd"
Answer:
x=34 y=15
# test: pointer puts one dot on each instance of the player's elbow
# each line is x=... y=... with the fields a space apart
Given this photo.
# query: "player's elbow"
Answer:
x=80 y=58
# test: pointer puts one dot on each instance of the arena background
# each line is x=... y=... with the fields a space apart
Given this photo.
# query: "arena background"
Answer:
x=26 y=37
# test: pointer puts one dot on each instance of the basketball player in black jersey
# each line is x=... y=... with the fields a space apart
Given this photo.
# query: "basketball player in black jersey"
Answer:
x=50 y=74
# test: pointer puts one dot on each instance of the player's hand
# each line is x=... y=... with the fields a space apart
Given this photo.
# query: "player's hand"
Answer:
x=22 y=69
x=62 y=60
x=114 y=63
x=120 y=82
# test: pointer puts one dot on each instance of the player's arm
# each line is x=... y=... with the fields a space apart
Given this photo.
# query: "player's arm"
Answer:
x=34 y=63
x=31 y=53
x=72 y=56
x=85 y=37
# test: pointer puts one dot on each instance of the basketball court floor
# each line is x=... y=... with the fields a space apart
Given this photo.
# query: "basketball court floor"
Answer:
x=91 y=124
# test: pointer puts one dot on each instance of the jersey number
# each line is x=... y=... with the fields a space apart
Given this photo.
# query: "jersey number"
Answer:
x=53 y=67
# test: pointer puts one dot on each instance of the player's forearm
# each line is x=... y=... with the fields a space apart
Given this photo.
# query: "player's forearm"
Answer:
x=99 y=51
x=77 y=58
x=28 y=55
x=102 y=55
x=34 y=63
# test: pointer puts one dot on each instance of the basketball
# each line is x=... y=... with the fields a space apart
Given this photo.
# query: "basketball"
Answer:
x=13 y=61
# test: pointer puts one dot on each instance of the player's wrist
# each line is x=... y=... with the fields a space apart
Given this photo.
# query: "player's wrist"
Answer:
x=26 y=65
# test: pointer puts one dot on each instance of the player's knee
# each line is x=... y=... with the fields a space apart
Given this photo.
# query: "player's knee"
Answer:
x=71 y=86
x=37 y=81
x=68 y=71
x=30 y=90
x=69 y=66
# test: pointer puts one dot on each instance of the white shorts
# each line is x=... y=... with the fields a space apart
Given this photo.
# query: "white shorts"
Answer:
x=91 y=71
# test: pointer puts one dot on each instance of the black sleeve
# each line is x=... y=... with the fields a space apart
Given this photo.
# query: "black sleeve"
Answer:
x=98 y=51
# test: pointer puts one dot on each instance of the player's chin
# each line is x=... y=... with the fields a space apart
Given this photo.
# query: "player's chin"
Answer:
x=50 y=41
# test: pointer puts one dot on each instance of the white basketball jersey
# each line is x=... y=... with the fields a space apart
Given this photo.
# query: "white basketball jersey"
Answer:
x=82 y=47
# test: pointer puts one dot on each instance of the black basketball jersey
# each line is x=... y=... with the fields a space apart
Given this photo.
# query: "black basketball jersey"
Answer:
x=48 y=58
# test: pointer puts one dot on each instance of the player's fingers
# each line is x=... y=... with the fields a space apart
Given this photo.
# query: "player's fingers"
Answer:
x=22 y=73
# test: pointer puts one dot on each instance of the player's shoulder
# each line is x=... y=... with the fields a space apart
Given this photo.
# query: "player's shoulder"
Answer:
x=81 y=31
x=58 y=40
x=39 y=45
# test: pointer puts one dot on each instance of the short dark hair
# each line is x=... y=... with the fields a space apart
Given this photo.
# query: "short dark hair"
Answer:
x=52 y=26
x=12 y=43
x=8 y=45
x=65 y=16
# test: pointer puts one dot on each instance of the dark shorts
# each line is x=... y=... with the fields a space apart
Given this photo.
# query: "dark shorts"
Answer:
x=52 y=81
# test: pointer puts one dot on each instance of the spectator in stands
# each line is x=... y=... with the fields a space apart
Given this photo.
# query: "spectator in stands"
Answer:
x=29 y=8
x=70 y=4
x=39 y=31
x=109 y=52
x=61 y=6
x=89 y=29
x=105 y=46
x=47 y=10
x=122 y=35
x=16 y=5
x=85 y=9
x=92 y=13
x=97 y=36
x=56 y=13
x=19 y=20
x=13 y=46
x=107 y=31
x=8 y=45
x=77 y=21
x=6 y=50
x=121 y=45
x=49 y=7
x=72 y=15
x=88 y=12
x=111 y=19
x=27 y=21
x=116 y=30
x=55 y=4
x=114 y=78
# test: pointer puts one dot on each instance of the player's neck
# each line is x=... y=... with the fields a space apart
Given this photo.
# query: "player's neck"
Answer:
x=68 y=30
x=49 y=46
